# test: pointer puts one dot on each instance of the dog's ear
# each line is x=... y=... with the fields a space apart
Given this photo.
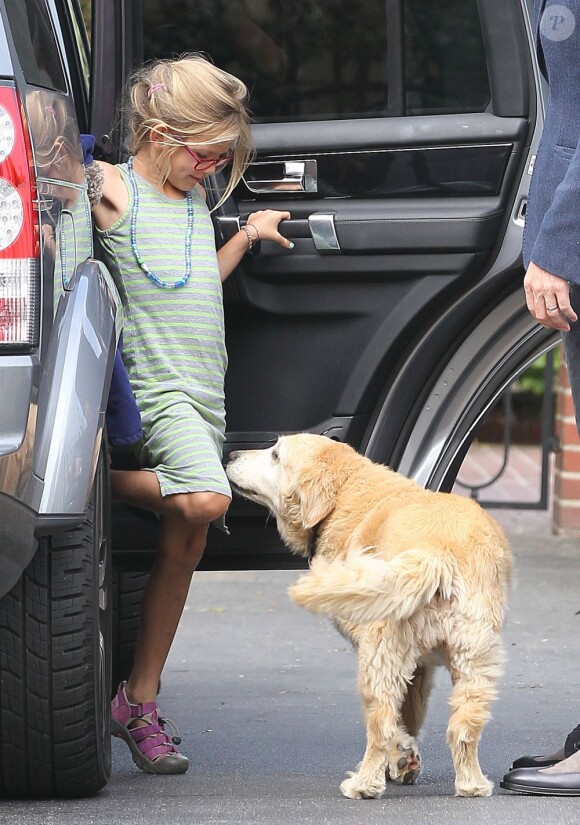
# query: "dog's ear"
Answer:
x=317 y=494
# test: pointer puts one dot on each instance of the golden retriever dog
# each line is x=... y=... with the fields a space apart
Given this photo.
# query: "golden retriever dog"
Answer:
x=411 y=577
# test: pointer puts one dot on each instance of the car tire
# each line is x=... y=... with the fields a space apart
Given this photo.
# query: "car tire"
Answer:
x=55 y=662
x=128 y=590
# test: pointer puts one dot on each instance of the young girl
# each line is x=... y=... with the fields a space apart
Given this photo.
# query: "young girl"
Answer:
x=187 y=120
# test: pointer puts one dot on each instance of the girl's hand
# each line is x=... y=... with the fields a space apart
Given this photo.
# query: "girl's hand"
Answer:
x=265 y=228
x=266 y=222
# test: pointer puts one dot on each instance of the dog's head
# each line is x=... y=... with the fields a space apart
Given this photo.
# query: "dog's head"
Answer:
x=297 y=479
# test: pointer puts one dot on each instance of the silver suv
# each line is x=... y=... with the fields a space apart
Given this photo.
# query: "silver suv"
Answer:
x=401 y=137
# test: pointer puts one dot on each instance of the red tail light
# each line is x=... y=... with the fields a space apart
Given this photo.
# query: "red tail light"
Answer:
x=19 y=243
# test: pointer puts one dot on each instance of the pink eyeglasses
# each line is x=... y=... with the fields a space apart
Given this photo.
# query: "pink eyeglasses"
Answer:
x=204 y=164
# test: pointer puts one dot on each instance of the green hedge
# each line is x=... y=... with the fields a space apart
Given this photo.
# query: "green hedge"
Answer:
x=86 y=10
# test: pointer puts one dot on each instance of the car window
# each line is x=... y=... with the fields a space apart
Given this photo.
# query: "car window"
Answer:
x=316 y=60
x=80 y=31
x=36 y=43
x=445 y=65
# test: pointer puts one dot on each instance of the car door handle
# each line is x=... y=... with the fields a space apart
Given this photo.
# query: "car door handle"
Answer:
x=319 y=226
x=265 y=177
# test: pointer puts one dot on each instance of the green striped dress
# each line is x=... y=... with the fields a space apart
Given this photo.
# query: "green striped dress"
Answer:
x=173 y=339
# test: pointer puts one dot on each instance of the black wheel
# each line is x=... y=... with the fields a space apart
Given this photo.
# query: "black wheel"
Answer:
x=55 y=664
x=128 y=590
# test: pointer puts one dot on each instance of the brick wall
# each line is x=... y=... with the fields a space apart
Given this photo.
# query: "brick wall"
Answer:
x=566 y=510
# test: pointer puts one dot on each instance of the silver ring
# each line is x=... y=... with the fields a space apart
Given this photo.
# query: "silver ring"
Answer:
x=551 y=309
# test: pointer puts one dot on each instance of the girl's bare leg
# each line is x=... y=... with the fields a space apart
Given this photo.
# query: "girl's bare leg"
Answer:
x=141 y=489
x=184 y=523
x=164 y=597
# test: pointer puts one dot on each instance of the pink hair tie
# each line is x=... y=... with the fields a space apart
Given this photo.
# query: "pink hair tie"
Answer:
x=49 y=109
x=155 y=88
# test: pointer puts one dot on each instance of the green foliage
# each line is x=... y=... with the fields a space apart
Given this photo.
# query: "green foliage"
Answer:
x=86 y=10
x=532 y=380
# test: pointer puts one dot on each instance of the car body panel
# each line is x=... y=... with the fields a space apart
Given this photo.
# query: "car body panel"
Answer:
x=73 y=393
x=51 y=429
x=15 y=384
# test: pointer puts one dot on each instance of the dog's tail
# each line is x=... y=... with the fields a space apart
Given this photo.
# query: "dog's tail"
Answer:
x=367 y=589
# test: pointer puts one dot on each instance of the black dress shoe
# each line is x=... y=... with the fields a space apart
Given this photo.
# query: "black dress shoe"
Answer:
x=536 y=761
x=572 y=744
x=534 y=781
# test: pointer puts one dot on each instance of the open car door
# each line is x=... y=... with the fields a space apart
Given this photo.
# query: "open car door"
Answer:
x=399 y=134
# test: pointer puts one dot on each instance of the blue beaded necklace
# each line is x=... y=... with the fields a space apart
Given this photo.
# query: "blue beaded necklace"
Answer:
x=188 y=236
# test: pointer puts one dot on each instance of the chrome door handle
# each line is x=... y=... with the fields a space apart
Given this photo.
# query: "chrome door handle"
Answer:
x=268 y=176
x=323 y=231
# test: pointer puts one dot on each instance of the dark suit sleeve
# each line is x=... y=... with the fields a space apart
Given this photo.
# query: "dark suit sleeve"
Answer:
x=557 y=245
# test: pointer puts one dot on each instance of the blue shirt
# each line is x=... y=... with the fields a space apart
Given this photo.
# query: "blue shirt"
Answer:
x=552 y=232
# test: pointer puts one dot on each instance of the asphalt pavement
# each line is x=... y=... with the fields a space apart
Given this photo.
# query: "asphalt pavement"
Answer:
x=265 y=696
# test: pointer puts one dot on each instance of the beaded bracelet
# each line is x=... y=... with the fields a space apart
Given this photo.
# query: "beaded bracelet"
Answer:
x=254 y=243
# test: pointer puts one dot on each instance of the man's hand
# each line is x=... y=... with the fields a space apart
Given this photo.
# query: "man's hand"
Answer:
x=548 y=298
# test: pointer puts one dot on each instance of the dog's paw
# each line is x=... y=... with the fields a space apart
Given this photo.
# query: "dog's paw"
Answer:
x=479 y=787
x=404 y=761
x=357 y=787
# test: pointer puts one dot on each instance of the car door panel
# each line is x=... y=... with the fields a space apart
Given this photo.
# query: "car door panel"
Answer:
x=314 y=335
x=451 y=130
x=396 y=226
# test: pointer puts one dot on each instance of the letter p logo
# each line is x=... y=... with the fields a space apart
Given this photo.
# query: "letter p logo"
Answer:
x=557 y=23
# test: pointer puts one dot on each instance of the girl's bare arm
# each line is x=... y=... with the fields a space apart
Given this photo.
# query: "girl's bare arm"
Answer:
x=115 y=198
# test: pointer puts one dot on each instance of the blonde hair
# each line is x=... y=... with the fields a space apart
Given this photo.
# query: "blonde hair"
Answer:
x=55 y=135
x=191 y=101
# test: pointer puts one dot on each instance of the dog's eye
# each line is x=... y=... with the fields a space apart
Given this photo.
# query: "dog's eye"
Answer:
x=275 y=455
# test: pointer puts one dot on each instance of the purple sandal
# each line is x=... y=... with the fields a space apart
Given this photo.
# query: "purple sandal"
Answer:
x=150 y=746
